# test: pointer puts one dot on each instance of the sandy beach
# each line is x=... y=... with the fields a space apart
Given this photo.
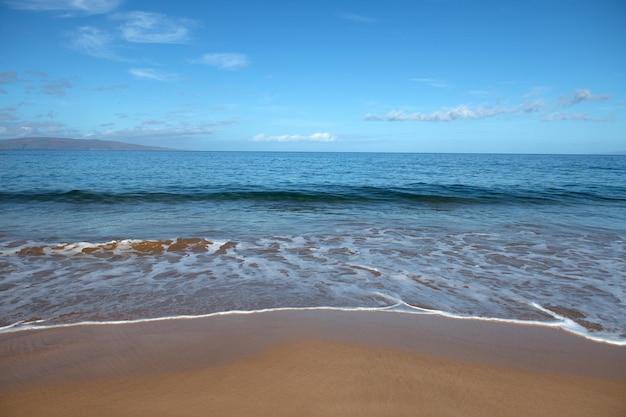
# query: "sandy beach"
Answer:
x=309 y=363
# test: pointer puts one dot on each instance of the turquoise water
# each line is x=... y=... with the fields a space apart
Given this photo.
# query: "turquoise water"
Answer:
x=101 y=236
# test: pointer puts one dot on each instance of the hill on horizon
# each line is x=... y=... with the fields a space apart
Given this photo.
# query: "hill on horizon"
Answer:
x=65 y=144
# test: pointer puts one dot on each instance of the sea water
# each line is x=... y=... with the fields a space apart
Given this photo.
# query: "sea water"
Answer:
x=123 y=236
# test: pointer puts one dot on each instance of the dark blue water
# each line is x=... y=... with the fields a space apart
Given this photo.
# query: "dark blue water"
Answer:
x=93 y=235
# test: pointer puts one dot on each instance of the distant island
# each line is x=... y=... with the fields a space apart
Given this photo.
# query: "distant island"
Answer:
x=64 y=144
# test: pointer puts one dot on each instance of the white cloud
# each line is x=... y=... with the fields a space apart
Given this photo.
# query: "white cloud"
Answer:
x=224 y=60
x=315 y=137
x=582 y=95
x=150 y=27
x=152 y=74
x=87 y=7
x=92 y=41
x=462 y=112
x=531 y=103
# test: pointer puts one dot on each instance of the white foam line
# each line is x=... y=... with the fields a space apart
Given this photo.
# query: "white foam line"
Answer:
x=571 y=326
x=563 y=323
x=23 y=326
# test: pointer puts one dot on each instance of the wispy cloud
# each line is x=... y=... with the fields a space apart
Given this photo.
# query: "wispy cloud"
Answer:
x=153 y=74
x=555 y=116
x=354 y=17
x=150 y=27
x=92 y=41
x=134 y=27
x=5 y=116
x=56 y=89
x=532 y=106
x=433 y=82
x=582 y=95
x=315 y=137
x=39 y=74
x=69 y=7
x=51 y=115
x=48 y=86
x=535 y=92
x=151 y=122
x=9 y=108
x=113 y=87
x=225 y=60
x=8 y=77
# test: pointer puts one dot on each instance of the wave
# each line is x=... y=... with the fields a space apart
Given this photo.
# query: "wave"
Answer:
x=120 y=247
x=502 y=277
x=414 y=193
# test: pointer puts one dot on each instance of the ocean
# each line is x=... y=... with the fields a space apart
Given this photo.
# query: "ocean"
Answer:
x=119 y=236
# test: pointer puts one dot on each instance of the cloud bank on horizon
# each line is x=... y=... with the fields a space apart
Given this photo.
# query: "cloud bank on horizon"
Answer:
x=467 y=112
x=326 y=76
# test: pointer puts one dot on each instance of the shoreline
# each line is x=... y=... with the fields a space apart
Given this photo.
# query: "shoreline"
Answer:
x=561 y=323
x=395 y=358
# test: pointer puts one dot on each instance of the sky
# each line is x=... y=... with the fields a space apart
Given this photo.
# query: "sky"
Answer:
x=519 y=76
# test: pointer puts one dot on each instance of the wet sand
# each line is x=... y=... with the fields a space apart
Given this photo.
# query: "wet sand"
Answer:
x=310 y=363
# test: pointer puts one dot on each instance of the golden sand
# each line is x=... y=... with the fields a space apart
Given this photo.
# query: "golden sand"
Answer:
x=320 y=363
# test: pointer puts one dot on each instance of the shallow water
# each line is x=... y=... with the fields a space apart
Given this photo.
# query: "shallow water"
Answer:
x=102 y=236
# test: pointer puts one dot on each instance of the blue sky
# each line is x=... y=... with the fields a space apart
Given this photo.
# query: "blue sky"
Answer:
x=523 y=76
